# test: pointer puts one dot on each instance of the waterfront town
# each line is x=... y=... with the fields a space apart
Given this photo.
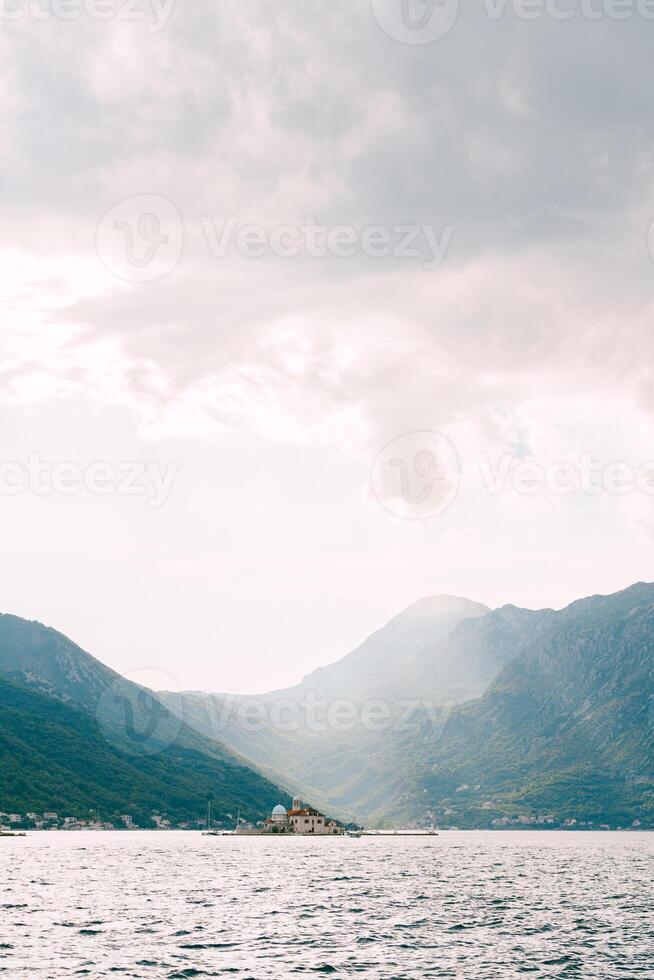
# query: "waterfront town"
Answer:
x=51 y=820
x=300 y=819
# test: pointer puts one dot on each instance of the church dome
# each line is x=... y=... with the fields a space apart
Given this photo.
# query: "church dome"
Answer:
x=279 y=811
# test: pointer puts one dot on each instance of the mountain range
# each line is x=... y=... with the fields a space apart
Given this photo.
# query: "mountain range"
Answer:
x=452 y=713
x=294 y=735
x=76 y=738
x=567 y=727
x=491 y=717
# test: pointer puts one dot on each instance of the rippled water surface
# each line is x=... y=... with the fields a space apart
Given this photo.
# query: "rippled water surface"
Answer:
x=476 y=906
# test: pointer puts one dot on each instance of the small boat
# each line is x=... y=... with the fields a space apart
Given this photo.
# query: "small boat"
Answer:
x=353 y=833
x=215 y=831
x=209 y=832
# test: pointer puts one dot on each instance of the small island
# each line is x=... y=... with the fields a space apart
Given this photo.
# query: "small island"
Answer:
x=303 y=820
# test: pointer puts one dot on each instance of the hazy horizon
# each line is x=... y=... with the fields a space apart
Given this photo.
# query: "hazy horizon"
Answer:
x=155 y=676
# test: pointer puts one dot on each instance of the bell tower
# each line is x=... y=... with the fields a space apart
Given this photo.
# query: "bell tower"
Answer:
x=297 y=803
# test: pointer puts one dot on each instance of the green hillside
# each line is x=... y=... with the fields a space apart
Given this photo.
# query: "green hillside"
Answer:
x=518 y=715
x=566 y=729
x=522 y=716
x=53 y=756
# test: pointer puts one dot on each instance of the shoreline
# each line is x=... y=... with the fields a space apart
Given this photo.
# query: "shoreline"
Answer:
x=364 y=833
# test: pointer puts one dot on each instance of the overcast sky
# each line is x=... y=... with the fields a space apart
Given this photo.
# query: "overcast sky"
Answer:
x=263 y=389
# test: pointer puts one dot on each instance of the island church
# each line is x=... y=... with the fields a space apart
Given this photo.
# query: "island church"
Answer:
x=298 y=820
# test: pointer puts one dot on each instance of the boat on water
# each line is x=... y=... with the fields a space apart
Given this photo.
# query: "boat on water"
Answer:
x=212 y=831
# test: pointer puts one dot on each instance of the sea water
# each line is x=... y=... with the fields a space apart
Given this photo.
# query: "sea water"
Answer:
x=460 y=905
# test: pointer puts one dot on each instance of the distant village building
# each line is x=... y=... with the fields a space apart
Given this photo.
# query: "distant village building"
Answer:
x=298 y=820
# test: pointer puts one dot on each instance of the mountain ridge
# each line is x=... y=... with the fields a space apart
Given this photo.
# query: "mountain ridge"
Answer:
x=341 y=769
x=465 y=674
x=54 y=757
x=121 y=724
x=573 y=708
x=513 y=712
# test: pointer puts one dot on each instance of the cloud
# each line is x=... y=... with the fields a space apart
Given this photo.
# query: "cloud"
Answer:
x=519 y=134
x=275 y=382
